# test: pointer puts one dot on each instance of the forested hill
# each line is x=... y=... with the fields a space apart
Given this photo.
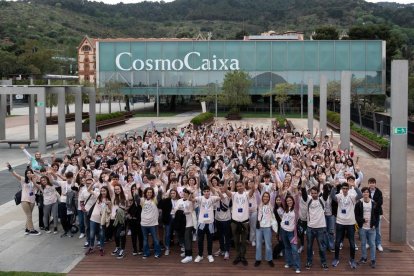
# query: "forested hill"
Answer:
x=59 y=25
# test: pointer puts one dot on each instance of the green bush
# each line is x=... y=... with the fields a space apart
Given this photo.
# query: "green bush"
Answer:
x=201 y=118
x=103 y=117
x=335 y=118
x=281 y=120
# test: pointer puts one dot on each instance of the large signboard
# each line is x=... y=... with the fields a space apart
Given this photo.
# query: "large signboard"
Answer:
x=192 y=65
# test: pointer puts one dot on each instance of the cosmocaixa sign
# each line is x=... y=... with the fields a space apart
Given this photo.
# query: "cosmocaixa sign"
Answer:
x=205 y=64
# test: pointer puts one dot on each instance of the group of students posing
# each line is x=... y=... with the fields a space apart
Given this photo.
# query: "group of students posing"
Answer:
x=239 y=184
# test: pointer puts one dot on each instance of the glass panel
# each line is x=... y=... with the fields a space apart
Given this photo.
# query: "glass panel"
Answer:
x=358 y=55
x=248 y=56
x=311 y=55
x=263 y=54
x=374 y=55
x=326 y=55
x=106 y=50
x=279 y=56
x=342 y=55
x=295 y=56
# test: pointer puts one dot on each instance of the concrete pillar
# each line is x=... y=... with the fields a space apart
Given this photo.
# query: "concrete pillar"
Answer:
x=345 y=109
x=41 y=119
x=3 y=113
x=92 y=109
x=398 y=162
x=322 y=105
x=32 y=117
x=310 y=106
x=78 y=114
x=61 y=116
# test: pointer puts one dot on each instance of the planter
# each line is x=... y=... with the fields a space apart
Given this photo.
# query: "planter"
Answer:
x=365 y=143
x=105 y=123
x=69 y=118
x=206 y=123
x=233 y=116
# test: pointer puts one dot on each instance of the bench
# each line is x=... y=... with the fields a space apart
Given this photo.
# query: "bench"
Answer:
x=19 y=142
x=52 y=143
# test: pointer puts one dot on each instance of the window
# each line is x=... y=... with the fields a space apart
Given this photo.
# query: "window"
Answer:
x=86 y=48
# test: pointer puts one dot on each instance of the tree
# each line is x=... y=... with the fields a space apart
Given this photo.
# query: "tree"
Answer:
x=113 y=89
x=51 y=101
x=326 y=33
x=281 y=95
x=333 y=91
x=235 y=90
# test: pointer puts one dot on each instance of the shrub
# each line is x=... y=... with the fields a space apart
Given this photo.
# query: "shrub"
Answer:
x=103 y=117
x=281 y=120
x=201 y=118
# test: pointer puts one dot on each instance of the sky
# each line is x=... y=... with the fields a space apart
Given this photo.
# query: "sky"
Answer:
x=136 y=1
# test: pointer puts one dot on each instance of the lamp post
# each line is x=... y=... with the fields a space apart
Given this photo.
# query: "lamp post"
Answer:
x=158 y=98
x=216 y=96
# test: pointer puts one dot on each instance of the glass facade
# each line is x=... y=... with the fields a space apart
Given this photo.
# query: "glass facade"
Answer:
x=188 y=67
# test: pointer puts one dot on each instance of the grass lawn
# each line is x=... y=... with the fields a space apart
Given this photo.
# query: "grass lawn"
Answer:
x=25 y=273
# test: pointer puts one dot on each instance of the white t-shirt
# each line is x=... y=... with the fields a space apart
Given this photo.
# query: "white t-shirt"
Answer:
x=188 y=208
x=316 y=214
x=367 y=214
x=240 y=208
x=346 y=207
x=206 y=205
x=288 y=221
x=49 y=195
x=149 y=214
x=220 y=214
x=265 y=215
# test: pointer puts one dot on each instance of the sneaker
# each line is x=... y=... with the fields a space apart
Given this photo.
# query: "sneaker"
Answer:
x=362 y=261
x=42 y=228
x=134 y=253
x=341 y=246
x=115 y=252
x=26 y=232
x=253 y=244
x=367 y=246
x=257 y=263
x=308 y=265
x=157 y=256
x=210 y=258
x=356 y=248
x=55 y=230
x=81 y=236
x=373 y=263
x=271 y=264
x=194 y=237
x=101 y=252
x=187 y=259
x=198 y=259
x=182 y=255
x=226 y=255
x=332 y=250
x=64 y=235
x=217 y=253
x=89 y=251
x=120 y=254
x=140 y=252
x=325 y=267
x=34 y=233
x=236 y=261
x=287 y=266
x=352 y=263
x=300 y=249
x=297 y=270
x=379 y=247
x=244 y=261
x=335 y=263
x=167 y=252
x=144 y=257
x=48 y=230
x=86 y=245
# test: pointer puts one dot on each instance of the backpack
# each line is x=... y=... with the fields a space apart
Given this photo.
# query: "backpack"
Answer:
x=320 y=201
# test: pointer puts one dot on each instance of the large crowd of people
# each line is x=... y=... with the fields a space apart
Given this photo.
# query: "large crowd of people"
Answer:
x=245 y=186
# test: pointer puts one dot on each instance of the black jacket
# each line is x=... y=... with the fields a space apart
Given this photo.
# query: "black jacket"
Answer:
x=166 y=206
x=359 y=213
x=378 y=199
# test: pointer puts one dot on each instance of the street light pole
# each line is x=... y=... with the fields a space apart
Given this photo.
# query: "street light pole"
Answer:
x=271 y=98
x=158 y=98
x=216 y=97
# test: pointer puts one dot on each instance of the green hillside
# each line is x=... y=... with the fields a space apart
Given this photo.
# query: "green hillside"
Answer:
x=33 y=31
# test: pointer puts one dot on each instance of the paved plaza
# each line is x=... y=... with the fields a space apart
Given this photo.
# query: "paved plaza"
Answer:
x=36 y=251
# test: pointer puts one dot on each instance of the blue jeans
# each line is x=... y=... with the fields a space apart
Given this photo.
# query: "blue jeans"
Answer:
x=200 y=236
x=81 y=218
x=96 y=228
x=330 y=229
x=370 y=235
x=154 y=234
x=291 y=250
x=350 y=234
x=168 y=231
x=266 y=234
x=224 y=230
x=320 y=235
x=378 y=233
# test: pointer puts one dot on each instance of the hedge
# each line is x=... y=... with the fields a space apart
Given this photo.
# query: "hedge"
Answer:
x=103 y=117
x=201 y=118
x=335 y=118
